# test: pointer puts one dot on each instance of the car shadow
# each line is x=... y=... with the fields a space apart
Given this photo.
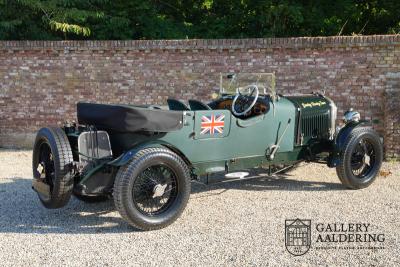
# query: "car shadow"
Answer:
x=259 y=180
x=22 y=212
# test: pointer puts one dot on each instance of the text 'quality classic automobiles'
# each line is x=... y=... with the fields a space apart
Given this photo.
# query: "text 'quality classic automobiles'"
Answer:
x=145 y=157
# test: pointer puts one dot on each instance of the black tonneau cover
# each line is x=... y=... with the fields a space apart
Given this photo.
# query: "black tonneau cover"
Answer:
x=126 y=118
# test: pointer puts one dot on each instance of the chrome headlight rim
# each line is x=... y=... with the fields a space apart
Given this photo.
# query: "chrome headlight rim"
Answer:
x=351 y=116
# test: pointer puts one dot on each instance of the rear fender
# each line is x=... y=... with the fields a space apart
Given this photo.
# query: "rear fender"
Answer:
x=128 y=155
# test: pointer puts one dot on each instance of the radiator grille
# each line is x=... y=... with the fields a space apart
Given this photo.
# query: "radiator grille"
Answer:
x=316 y=125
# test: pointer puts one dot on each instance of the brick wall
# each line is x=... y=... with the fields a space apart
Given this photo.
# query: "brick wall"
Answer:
x=40 y=81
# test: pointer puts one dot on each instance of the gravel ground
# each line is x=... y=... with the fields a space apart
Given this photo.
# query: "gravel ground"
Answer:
x=236 y=224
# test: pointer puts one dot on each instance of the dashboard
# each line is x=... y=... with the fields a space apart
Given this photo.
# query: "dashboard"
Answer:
x=261 y=107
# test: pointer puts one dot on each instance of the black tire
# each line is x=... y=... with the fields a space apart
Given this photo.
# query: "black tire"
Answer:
x=127 y=191
x=58 y=169
x=92 y=199
x=362 y=153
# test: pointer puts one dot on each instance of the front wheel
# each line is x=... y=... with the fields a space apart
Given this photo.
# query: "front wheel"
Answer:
x=361 y=159
x=152 y=190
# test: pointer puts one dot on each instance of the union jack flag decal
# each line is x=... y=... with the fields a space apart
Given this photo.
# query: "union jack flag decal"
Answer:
x=213 y=124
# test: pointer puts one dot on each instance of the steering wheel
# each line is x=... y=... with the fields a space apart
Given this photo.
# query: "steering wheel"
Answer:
x=242 y=103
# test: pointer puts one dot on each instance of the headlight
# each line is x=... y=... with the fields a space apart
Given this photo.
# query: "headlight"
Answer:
x=351 y=115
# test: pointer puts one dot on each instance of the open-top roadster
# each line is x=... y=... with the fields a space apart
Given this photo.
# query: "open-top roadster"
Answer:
x=146 y=156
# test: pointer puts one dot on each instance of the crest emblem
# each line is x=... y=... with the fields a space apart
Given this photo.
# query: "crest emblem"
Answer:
x=297 y=236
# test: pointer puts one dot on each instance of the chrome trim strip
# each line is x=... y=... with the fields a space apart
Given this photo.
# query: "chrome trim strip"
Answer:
x=332 y=128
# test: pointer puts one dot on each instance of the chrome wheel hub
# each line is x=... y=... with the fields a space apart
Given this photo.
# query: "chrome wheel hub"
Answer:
x=159 y=190
x=367 y=159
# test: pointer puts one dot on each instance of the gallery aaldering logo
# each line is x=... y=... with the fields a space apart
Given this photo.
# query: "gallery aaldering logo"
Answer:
x=298 y=236
x=343 y=236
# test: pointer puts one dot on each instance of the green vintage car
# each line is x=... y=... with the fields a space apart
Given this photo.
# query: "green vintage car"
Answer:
x=145 y=157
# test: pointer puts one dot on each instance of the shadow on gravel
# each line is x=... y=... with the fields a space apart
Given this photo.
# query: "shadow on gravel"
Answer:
x=262 y=182
x=22 y=212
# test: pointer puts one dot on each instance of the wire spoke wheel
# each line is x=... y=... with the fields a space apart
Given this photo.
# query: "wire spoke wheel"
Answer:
x=152 y=190
x=155 y=189
x=362 y=159
x=46 y=161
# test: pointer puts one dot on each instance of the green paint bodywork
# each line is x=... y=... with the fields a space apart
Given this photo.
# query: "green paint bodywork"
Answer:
x=243 y=144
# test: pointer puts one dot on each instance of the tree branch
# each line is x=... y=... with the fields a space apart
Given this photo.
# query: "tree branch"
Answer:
x=341 y=30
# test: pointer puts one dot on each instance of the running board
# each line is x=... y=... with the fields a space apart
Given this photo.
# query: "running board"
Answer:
x=236 y=175
x=224 y=179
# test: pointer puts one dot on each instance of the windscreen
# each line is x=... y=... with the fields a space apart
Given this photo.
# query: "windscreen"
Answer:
x=231 y=82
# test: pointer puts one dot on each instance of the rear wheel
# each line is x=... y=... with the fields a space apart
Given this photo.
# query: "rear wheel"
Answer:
x=361 y=159
x=52 y=161
x=152 y=190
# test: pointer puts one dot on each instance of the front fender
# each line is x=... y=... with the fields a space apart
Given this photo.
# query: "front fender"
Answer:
x=340 y=141
x=341 y=137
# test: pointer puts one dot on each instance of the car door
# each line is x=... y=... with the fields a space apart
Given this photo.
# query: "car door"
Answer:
x=212 y=124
